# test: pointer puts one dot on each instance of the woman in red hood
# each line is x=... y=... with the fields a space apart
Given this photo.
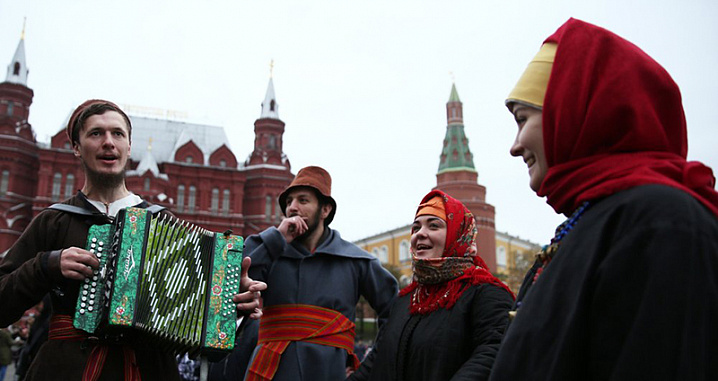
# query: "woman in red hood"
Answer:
x=628 y=287
x=448 y=323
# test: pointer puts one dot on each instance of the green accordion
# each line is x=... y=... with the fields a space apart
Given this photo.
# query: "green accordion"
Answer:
x=167 y=278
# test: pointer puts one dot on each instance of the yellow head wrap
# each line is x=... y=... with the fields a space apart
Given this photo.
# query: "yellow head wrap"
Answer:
x=531 y=88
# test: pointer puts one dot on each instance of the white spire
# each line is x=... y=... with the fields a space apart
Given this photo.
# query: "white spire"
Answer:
x=17 y=70
x=148 y=163
x=270 y=107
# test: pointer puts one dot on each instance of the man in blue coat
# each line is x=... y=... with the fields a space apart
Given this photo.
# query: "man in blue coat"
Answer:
x=315 y=279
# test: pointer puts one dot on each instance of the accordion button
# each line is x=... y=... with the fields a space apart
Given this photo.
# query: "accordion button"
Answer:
x=82 y=311
x=99 y=248
x=93 y=290
x=92 y=302
x=89 y=308
x=84 y=292
x=84 y=298
x=100 y=243
x=93 y=246
x=94 y=239
x=92 y=296
x=83 y=304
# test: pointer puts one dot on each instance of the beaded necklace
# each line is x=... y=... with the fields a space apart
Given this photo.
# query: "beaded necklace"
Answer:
x=548 y=251
x=544 y=257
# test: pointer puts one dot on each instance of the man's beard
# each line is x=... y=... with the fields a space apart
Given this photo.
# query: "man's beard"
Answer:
x=312 y=225
x=104 y=180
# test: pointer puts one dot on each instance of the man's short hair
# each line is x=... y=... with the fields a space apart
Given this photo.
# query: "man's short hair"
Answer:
x=88 y=109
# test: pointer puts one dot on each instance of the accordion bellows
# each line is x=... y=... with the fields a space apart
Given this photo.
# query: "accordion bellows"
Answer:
x=169 y=279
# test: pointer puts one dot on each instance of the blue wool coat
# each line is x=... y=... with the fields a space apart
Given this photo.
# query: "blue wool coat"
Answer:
x=334 y=277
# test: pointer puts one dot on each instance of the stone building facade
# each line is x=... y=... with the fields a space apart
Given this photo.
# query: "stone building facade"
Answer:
x=189 y=168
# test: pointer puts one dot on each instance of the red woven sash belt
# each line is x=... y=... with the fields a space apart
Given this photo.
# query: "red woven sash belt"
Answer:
x=61 y=328
x=282 y=324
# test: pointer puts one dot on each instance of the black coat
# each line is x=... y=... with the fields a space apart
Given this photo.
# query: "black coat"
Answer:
x=631 y=294
x=31 y=269
x=457 y=344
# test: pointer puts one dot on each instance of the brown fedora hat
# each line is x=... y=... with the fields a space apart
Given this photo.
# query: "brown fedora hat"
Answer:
x=313 y=177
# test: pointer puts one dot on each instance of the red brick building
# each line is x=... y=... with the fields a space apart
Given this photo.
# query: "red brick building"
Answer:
x=189 y=168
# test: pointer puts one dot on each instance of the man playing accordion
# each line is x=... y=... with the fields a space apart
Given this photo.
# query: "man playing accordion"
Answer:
x=49 y=258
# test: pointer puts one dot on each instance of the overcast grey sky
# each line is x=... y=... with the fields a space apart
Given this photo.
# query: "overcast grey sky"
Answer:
x=362 y=86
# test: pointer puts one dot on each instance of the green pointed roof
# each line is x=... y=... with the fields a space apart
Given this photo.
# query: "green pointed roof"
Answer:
x=456 y=155
x=454 y=97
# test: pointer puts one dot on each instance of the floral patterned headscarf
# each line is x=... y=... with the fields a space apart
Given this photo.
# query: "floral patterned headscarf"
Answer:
x=439 y=282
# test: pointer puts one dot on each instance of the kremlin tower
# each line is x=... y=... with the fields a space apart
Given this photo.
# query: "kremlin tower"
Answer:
x=267 y=168
x=458 y=177
x=18 y=150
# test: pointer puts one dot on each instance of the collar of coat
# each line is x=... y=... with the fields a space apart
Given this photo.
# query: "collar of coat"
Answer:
x=332 y=245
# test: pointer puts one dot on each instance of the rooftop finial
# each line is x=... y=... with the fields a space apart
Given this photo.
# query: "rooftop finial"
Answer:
x=271 y=68
x=24 y=21
x=149 y=145
x=453 y=79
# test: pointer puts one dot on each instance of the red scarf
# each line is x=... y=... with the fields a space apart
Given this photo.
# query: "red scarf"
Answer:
x=613 y=120
x=460 y=242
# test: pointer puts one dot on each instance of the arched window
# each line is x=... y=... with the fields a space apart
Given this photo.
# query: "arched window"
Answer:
x=272 y=141
x=384 y=254
x=56 y=184
x=9 y=108
x=191 y=198
x=223 y=163
x=271 y=105
x=189 y=159
x=501 y=256
x=225 y=201
x=16 y=69
x=4 y=182
x=69 y=185
x=180 y=197
x=147 y=183
x=215 y=200
x=268 y=208
x=404 y=251
x=278 y=212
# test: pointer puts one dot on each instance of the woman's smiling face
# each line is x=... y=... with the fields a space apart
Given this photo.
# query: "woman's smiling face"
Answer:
x=529 y=143
x=428 y=237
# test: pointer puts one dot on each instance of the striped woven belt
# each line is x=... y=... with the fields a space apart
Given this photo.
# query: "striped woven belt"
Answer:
x=61 y=328
x=282 y=324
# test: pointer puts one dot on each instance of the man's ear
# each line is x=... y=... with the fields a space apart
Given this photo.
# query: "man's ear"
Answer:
x=76 y=149
x=326 y=210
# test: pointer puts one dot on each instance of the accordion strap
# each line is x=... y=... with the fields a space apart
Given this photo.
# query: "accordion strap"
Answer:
x=282 y=324
x=71 y=209
x=154 y=209
x=61 y=328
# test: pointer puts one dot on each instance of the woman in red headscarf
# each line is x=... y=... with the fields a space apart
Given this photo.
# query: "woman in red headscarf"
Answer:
x=448 y=323
x=628 y=287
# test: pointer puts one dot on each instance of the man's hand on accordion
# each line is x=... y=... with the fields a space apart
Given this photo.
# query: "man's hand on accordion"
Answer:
x=76 y=263
x=249 y=299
